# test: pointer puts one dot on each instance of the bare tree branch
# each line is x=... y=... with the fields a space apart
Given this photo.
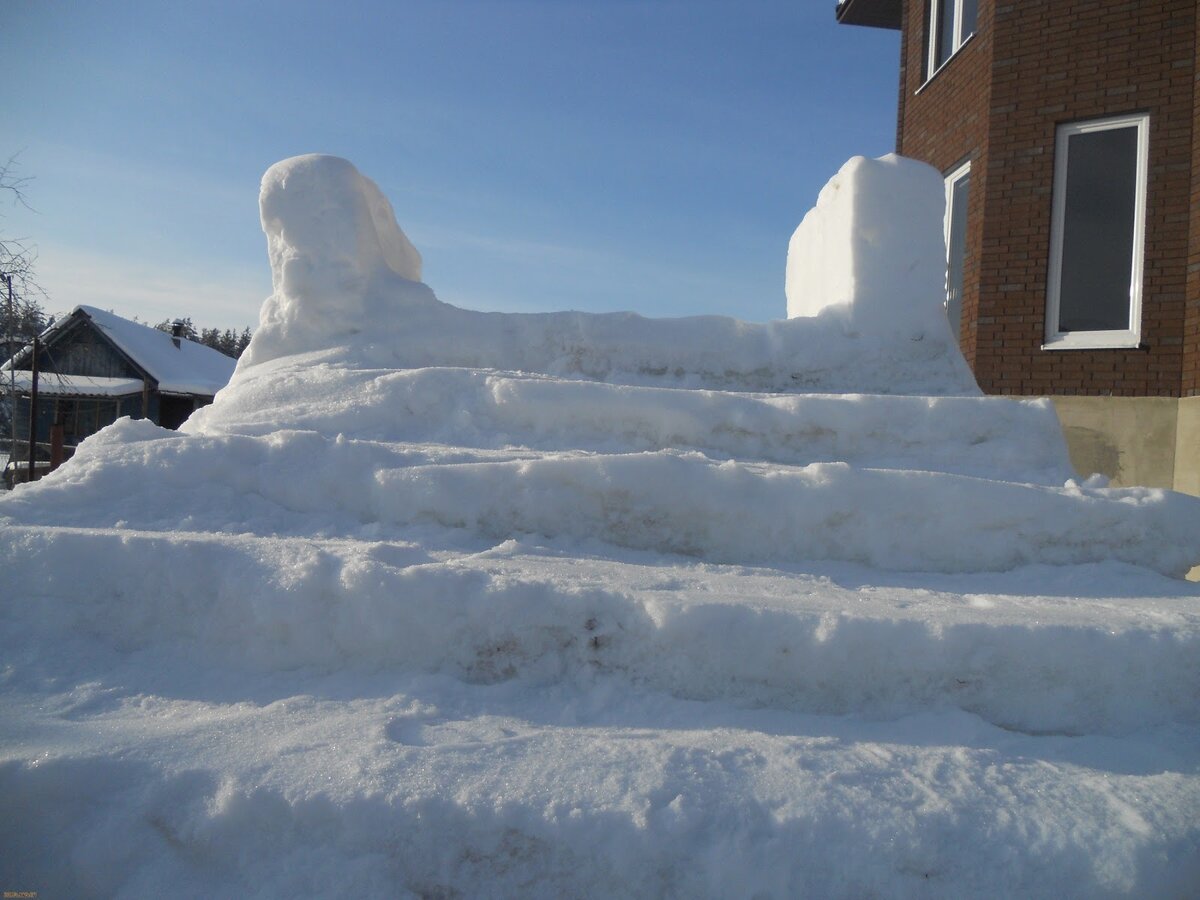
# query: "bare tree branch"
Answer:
x=18 y=256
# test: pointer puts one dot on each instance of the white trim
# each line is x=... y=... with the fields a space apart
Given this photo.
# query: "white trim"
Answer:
x=1095 y=340
x=932 y=75
x=951 y=182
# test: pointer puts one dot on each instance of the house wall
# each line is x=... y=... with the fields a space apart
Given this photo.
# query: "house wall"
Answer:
x=1131 y=440
x=1063 y=62
x=1145 y=441
x=1030 y=67
x=1191 y=328
x=944 y=121
x=102 y=411
x=81 y=351
x=1187 y=447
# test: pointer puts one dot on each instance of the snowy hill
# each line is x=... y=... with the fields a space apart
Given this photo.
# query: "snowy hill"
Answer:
x=485 y=605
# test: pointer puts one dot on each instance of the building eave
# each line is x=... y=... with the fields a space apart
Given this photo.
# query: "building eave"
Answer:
x=871 y=13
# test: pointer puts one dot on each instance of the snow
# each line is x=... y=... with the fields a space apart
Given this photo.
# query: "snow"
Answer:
x=190 y=368
x=872 y=252
x=485 y=605
x=344 y=278
x=78 y=385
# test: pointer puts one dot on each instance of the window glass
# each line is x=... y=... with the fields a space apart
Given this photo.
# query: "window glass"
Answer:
x=945 y=31
x=1098 y=231
x=951 y=22
x=970 y=12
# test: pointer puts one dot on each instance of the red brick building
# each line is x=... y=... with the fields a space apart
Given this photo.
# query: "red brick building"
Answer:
x=1069 y=135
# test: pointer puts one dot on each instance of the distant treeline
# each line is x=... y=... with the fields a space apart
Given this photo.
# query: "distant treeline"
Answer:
x=229 y=342
x=29 y=319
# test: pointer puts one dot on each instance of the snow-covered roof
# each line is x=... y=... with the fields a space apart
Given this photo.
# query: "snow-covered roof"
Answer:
x=78 y=385
x=190 y=368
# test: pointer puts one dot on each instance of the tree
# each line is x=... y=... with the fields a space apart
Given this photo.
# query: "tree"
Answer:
x=228 y=341
x=187 y=329
x=21 y=316
x=17 y=261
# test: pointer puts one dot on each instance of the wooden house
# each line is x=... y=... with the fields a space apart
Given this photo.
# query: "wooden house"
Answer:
x=95 y=367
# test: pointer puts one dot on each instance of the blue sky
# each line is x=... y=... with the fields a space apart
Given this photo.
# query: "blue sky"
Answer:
x=652 y=155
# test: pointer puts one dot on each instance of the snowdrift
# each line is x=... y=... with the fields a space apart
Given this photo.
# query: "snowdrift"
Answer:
x=436 y=603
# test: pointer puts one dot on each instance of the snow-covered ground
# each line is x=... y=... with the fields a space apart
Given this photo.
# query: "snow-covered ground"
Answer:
x=434 y=603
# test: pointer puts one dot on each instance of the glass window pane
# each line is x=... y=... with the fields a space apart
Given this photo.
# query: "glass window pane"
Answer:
x=1098 y=231
x=944 y=31
x=970 y=12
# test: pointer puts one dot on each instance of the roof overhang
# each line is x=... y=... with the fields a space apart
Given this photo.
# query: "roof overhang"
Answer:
x=872 y=13
x=53 y=384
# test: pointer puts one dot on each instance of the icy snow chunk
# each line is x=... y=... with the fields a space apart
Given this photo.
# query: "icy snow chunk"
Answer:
x=872 y=251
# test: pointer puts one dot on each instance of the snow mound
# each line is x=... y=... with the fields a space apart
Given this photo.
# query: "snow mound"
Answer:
x=438 y=603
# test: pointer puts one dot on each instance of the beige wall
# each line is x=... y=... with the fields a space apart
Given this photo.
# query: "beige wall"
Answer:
x=1132 y=440
x=1187 y=447
x=1150 y=441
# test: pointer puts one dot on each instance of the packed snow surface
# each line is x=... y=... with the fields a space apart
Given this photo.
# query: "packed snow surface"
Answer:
x=476 y=605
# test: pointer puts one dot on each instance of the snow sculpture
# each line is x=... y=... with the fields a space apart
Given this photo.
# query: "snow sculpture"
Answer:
x=347 y=286
x=872 y=250
x=338 y=257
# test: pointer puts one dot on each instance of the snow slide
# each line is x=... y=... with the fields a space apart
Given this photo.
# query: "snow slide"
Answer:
x=438 y=603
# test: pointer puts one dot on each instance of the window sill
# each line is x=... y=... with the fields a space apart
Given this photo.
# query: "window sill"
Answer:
x=934 y=74
x=1094 y=340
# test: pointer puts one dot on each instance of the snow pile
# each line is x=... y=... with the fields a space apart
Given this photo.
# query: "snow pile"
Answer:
x=460 y=604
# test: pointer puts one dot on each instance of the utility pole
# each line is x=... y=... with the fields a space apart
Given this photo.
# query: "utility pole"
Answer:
x=9 y=341
x=33 y=408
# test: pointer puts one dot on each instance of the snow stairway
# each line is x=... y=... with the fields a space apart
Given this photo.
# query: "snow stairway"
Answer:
x=520 y=610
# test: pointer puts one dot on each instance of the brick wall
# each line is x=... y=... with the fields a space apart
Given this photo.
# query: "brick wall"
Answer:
x=1191 y=329
x=1030 y=67
x=944 y=121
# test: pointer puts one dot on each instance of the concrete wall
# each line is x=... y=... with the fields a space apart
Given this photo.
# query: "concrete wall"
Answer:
x=1148 y=441
x=1187 y=447
x=1131 y=440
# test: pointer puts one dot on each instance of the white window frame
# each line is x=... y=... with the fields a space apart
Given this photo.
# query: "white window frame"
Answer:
x=955 y=9
x=950 y=182
x=1097 y=340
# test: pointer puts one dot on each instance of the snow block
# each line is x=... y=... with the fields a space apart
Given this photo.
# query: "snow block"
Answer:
x=872 y=251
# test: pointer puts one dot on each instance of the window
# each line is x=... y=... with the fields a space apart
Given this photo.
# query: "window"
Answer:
x=951 y=22
x=958 y=184
x=1097 y=225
